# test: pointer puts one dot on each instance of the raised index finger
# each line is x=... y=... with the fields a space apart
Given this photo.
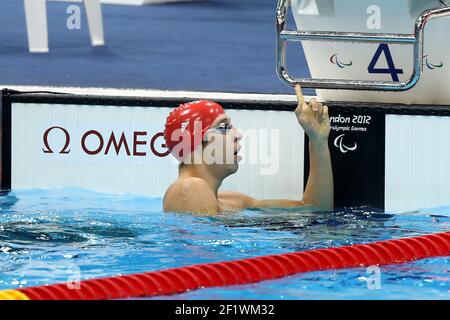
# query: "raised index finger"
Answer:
x=298 y=92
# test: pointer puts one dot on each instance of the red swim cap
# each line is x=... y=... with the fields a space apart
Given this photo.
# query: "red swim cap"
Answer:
x=193 y=118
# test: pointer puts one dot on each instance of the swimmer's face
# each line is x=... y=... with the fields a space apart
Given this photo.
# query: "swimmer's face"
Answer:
x=223 y=144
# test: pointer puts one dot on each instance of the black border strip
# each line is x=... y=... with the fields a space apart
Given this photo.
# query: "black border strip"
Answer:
x=12 y=96
x=5 y=182
x=75 y=99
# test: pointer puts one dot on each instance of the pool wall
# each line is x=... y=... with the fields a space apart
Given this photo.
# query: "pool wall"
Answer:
x=388 y=156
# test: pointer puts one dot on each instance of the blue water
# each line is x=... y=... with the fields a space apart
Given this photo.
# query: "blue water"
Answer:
x=60 y=235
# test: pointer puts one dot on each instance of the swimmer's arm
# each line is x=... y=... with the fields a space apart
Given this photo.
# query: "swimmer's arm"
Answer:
x=314 y=119
x=244 y=201
x=318 y=192
x=190 y=195
x=319 y=189
x=276 y=203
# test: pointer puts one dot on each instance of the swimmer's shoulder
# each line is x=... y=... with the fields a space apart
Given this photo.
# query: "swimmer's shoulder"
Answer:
x=191 y=195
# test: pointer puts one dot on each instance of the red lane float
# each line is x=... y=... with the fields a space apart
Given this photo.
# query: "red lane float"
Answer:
x=178 y=280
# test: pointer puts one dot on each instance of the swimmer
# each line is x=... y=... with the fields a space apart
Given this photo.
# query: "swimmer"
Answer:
x=193 y=128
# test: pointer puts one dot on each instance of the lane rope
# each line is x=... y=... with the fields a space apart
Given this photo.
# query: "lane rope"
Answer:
x=12 y=295
x=238 y=272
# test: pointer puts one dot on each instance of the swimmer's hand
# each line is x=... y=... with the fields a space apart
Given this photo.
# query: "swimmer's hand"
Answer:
x=313 y=117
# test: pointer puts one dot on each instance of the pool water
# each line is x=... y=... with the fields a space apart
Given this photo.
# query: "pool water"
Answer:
x=64 y=235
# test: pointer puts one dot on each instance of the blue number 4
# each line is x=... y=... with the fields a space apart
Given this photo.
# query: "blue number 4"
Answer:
x=384 y=48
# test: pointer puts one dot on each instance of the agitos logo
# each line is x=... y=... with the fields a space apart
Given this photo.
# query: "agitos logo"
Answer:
x=139 y=146
x=339 y=143
x=335 y=60
x=430 y=65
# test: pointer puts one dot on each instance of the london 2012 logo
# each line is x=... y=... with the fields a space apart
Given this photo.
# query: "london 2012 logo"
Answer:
x=339 y=143
x=334 y=59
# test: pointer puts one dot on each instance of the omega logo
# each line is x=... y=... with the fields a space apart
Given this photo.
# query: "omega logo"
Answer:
x=110 y=143
x=47 y=147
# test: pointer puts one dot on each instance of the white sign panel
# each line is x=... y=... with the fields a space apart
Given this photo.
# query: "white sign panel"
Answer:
x=378 y=61
x=116 y=149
